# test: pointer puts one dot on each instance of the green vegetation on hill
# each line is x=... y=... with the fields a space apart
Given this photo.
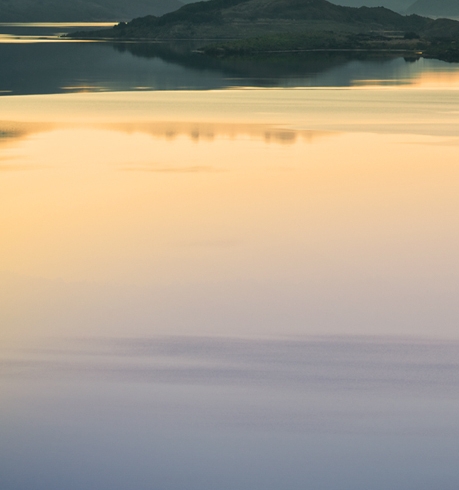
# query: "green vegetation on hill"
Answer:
x=407 y=44
x=317 y=41
x=240 y=19
x=274 y=25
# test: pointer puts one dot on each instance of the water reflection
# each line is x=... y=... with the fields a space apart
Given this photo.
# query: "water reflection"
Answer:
x=336 y=217
x=10 y=131
x=340 y=412
x=37 y=32
x=379 y=365
x=230 y=289
x=54 y=67
x=198 y=131
x=309 y=372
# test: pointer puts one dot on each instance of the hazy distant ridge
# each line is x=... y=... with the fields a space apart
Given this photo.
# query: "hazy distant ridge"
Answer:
x=395 y=5
x=82 y=10
x=435 y=8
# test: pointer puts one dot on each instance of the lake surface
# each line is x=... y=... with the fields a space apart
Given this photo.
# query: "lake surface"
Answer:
x=35 y=59
x=220 y=278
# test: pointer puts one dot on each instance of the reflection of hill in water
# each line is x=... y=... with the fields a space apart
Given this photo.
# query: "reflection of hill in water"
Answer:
x=11 y=132
x=272 y=69
x=208 y=131
x=59 y=67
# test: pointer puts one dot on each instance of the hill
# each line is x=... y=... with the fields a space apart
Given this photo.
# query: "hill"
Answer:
x=395 y=5
x=254 y=26
x=82 y=10
x=435 y=8
x=240 y=19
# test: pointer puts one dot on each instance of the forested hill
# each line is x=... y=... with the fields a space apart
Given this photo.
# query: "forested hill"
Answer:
x=82 y=10
x=242 y=19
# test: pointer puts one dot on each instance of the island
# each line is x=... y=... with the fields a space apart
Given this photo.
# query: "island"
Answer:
x=245 y=27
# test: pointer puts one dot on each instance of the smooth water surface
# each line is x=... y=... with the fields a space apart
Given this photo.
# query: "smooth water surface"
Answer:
x=236 y=289
x=36 y=59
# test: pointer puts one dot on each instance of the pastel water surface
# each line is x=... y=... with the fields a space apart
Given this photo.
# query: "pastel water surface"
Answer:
x=215 y=279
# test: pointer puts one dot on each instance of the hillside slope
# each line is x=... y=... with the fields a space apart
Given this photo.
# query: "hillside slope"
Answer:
x=395 y=5
x=239 y=19
x=82 y=10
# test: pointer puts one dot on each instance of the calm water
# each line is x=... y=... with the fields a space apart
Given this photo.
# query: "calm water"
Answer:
x=35 y=60
x=250 y=288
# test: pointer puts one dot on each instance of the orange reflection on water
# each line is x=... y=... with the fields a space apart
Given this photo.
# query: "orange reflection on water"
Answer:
x=292 y=229
x=438 y=79
x=446 y=79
